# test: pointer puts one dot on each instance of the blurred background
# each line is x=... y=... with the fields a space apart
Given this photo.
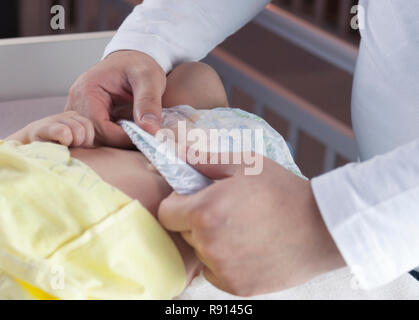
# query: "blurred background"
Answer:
x=309 y=77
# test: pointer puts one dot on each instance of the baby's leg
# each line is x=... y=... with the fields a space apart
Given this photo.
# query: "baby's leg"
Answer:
x=199 y=86
x=195 y=84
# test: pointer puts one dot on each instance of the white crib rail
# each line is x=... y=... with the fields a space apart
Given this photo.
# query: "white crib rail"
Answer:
x=47 y=66
x=302 y=116
x=309 y=37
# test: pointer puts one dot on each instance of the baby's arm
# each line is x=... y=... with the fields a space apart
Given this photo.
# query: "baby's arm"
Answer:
x=68 y=128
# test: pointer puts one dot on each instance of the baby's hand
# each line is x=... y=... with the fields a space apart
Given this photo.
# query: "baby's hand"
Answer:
x=69 y=129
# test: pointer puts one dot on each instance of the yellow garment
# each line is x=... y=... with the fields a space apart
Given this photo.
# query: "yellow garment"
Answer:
x=65 y=233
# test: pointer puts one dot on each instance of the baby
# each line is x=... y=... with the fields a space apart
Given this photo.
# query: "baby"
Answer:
x=75 y=217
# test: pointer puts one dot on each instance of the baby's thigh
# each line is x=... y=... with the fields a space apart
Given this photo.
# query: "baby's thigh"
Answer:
x=195 y=84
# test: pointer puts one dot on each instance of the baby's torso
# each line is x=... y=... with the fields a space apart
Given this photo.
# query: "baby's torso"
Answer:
x=127 y=170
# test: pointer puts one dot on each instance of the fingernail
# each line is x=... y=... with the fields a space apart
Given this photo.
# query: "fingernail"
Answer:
x=150 y=118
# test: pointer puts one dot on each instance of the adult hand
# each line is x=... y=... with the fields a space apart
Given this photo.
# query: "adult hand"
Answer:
x=124 y=77
x=255 y=234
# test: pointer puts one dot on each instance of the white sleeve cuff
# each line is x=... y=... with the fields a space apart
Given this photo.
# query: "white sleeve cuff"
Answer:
x=148 y=44
x=371 y=210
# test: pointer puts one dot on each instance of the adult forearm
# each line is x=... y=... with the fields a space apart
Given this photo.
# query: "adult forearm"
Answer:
x=173 y=32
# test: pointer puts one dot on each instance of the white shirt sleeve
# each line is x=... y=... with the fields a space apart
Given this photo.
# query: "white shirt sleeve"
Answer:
x=372 y=212
x=372 y=208
x=176 y=31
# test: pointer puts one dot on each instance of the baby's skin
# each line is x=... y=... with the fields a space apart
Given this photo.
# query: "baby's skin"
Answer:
x=193 y=84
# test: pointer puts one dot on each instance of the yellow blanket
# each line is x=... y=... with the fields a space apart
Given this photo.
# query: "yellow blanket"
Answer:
x=66 y=234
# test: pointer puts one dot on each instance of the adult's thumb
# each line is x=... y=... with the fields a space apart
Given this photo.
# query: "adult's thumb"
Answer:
x=148 y=94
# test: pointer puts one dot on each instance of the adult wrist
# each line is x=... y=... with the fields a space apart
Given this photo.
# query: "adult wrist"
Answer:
x=145 y=44
x=136 y=66
x=149 y=60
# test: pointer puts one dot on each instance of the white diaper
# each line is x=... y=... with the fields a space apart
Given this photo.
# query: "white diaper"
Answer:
x=253 y=133
x=274 y=146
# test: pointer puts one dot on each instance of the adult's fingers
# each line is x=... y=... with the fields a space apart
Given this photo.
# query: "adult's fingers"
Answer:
x=215 y=166
x=175 y=212
x=111 y=134
x=217 y=171
x=148 y=89
x=187 y=236
x=108 y=132
x=211 y=277
x=96 y=105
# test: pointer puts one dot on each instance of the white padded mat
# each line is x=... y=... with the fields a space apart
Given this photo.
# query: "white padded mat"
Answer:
x=337 y=285
x=14 y=115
